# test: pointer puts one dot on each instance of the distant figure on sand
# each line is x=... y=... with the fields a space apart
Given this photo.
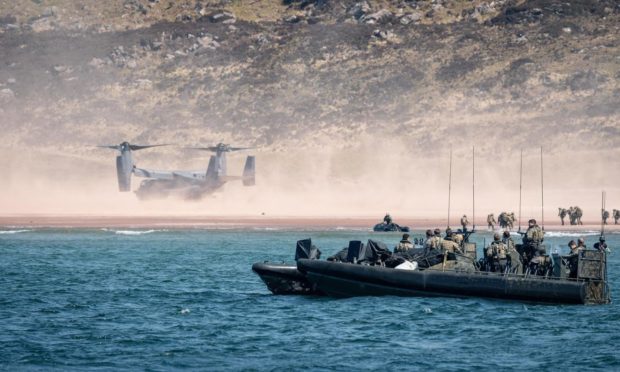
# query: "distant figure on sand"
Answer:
x=604 y=215
x=506 y=220
x=464 y=222
x=616 y=216
x=575 y=213
x=562 y=212
x=491 y=221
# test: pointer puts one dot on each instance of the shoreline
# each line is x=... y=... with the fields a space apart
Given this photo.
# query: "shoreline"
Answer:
x=183 y=222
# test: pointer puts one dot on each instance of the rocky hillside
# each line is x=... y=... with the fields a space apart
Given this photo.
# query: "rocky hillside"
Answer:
x=280 y=74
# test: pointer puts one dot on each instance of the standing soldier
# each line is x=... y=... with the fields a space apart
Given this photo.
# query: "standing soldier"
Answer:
x=491 y=221
x=571 y=215
x=605 y=215
x=532 y=240
x=387 y=219
x=514 y=258
x=578 y=215
x=562 y=213
x=499 y=254
x=616 y=216
x=573 y=258
x=464 y=223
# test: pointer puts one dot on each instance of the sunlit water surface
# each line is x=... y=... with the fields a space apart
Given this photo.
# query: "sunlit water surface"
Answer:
x=160 y=299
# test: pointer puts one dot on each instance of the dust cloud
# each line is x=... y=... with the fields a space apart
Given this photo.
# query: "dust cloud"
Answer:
x=366 y=179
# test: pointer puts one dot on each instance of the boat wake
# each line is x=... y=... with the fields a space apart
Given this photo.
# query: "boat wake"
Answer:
x=13 y=231
x=560 y=234
x=132 y=232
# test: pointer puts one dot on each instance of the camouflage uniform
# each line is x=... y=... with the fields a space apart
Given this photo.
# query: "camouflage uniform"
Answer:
x=464 y=222
x=605 y=215
x=513 y=255
x=533 y=235
x=404 y=245
x=491 y=221
x=450 y=246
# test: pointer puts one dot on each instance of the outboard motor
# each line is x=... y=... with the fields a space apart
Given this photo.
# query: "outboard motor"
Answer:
x=356 y=251
x=592 y=268
x=305 y=249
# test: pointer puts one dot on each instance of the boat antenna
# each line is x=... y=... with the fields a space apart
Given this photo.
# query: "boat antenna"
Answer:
x=520 y=187
x=449 y=186
x=603 y=197
x=473 y=187
x=542 y=190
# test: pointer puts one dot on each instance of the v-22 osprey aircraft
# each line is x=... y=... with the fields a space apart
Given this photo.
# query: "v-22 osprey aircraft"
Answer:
x=190 y=185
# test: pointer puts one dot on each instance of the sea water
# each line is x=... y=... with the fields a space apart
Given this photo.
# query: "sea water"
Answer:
x=106 y=299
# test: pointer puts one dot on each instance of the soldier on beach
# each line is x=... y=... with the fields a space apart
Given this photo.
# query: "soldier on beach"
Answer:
x=464 y=223
x=605 y=216
x=491 y=221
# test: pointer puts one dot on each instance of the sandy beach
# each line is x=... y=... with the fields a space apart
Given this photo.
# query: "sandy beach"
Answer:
x=292 y=222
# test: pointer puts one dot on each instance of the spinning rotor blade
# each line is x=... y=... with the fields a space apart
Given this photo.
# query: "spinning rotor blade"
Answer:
x=113 y=147
x=223 y=148
x=239 y=148
x=203 y=148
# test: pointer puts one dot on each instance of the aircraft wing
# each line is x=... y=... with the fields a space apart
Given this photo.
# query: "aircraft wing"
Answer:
x=189 y=175
x=148 y=173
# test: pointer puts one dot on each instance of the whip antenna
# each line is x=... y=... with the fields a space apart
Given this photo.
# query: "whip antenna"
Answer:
x=473 y=186
x=520 y=187
x=603 y=197
x=542 y=190
x=449 y=186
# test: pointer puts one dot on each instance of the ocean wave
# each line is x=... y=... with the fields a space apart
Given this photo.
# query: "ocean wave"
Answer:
x=564 y=234
x=134 y=232
x=13 y=231
x=560 y=234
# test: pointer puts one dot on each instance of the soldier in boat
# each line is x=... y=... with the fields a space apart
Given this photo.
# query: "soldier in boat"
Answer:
x=581 y=244
x=448 y=244
x=404 y=245
x=532 y=242
x=499 y=257
x=573 y=258
x=515 y=264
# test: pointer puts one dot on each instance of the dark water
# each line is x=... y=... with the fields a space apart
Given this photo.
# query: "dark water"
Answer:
x=103 y=299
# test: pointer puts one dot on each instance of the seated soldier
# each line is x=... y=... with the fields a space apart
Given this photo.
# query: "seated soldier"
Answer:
x=404 y=245
x=448 y=245
x=601 y=245
x=430 y=243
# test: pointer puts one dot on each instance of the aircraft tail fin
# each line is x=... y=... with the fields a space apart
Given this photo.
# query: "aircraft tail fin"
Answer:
x=211 y=171
x=249 y=171
x=123 y=174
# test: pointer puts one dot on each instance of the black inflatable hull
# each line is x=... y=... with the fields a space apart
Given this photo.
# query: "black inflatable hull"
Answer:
x=347 y=280
x=382 y=227
x=282 y=279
